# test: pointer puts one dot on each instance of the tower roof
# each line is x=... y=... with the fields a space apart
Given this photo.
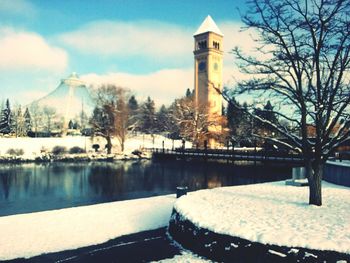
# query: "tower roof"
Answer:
x=208 y=25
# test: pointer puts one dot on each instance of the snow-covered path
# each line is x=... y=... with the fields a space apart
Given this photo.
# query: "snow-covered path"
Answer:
x=27 y=235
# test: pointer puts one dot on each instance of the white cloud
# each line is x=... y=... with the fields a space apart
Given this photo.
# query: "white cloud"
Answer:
x=29 y=51
x=141 y=38
x=163 y=86
x=234 y=36
x=17 y=7
x=152 y=39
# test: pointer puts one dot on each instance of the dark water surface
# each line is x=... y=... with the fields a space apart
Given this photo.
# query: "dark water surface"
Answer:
x=28 y=188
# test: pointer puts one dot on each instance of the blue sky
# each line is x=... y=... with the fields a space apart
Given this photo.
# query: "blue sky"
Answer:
x=145 y=46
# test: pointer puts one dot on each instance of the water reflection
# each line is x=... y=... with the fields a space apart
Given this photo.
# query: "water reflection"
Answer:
x=38 y=187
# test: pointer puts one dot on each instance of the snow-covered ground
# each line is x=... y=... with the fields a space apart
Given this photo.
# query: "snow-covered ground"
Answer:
x=185 y=257
x=27 y=235
x=33 y=147
x=273 y=213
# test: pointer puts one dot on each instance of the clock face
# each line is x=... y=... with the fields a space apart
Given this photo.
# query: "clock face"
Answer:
x=216 y=66
x=202 y=65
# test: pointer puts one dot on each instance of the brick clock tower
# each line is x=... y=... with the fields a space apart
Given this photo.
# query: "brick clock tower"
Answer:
x=208 y=65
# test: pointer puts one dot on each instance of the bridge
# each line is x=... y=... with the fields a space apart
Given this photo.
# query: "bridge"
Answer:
x=227 y=155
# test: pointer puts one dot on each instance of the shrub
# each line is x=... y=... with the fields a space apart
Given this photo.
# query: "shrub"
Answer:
x=96 y=147
x=16 y=152
x=76 y=149
x=57 y=150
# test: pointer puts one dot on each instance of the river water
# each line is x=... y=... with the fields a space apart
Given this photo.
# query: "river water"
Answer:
x=33 y=187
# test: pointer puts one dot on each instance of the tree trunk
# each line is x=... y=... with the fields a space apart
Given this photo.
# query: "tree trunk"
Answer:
x=122 y=146
x=314 y=175
x=109 y=144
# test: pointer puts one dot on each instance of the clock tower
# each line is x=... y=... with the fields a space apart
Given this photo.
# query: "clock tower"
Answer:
x=208 y=64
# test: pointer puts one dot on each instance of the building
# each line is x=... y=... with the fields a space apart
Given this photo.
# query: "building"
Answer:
x=70 y=101
x=208 y=66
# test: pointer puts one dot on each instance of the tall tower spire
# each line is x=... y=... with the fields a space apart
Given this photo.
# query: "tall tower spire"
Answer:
x=208 y=65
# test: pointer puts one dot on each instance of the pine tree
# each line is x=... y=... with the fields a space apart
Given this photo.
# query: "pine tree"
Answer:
x=148 y=116
x=162 y=119
x=134 y=118
x=239 y=123
x=188 y=93
x=6 y=121
x=133 y=104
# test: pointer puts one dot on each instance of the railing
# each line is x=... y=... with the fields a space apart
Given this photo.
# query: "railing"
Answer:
x=233 y=155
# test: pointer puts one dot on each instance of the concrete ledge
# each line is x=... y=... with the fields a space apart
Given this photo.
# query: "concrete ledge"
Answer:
x=225 y=248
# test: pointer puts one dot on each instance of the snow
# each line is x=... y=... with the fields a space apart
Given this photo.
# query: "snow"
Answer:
x=208 y=25
x=273 y=213
x=34 y=147
x=28 y=235
x=185 y=257
x=344 y=163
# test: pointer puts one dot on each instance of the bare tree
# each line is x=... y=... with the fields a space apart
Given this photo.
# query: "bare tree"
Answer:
x=111 y=114
x=122 y=114
x=194 y=122
x=302 y=62
x=49 y=114
x=36 y=117
x=19 y=122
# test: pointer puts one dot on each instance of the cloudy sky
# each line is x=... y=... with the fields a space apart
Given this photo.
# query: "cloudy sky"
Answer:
x=145 y=46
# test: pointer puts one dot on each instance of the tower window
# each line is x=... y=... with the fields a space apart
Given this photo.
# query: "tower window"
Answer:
x=216 y=45
x=202 y=44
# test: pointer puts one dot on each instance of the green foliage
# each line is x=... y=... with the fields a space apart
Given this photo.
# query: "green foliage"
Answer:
x=6 y=119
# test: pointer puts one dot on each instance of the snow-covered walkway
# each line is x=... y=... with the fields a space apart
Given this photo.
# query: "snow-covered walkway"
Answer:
x=273 y=213
x=27 y=235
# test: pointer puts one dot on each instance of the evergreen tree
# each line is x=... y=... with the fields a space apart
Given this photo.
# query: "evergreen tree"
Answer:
x=267 y=114
x=188 y=93
x=133 y=107
x=148 y=116
x=162 y=119
x=133 y=104
x=239 y=123
x=70 y=125
x=27 y=121
x=6 y=121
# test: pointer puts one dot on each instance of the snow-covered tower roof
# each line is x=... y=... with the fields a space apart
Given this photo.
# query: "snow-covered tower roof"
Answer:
x=208 y=25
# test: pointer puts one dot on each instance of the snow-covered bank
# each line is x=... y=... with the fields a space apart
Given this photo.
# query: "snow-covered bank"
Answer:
x=39 y=148
x=185 y=257
x=273 y=213
x=34 y=146
x=27 y=235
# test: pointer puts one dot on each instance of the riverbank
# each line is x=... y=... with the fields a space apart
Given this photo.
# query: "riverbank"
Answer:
x=82 y=157
x=79 y=148
x=268 y=222
x=28 y=235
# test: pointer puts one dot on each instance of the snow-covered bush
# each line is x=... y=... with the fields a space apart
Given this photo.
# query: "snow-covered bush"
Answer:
x=57 y=150
x=76 y=149
x=96 y=147
x=16 y=152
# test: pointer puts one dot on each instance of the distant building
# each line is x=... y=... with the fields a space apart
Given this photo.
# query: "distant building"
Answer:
x=208 y=66
x=71 y=101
